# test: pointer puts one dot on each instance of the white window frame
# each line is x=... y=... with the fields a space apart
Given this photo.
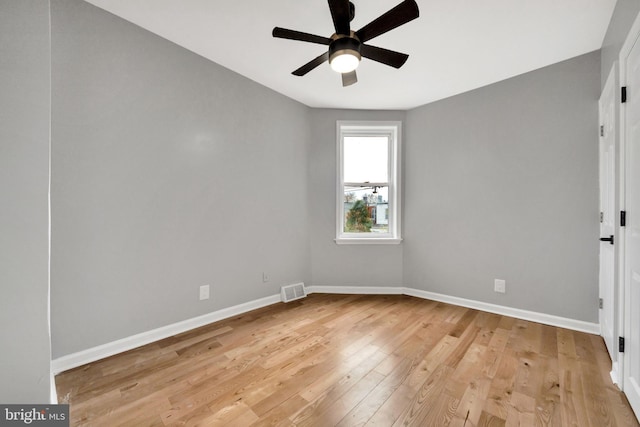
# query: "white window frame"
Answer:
x=391 y=129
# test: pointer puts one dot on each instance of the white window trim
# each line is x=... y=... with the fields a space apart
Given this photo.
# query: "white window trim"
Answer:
x=394 y=130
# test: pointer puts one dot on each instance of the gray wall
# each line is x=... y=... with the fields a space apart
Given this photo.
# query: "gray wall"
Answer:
x=502 y=182
x=24 y=186
x=623 y=16
x=169 y=172
x=342 y=265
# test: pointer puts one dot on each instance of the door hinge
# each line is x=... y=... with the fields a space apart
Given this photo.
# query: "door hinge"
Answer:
x=623 y=94
x=600 y=303
x=621 y=344
x=601 y=130
x=623 y=218
x=601 y=216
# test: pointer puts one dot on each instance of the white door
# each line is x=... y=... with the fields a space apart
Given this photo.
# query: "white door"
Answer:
x=631 y=116
x=607 y=213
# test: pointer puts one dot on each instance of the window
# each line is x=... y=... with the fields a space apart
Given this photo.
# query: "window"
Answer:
x=368 y=193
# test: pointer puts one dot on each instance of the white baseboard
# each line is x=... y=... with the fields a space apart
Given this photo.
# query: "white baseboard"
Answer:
x=53 y=393
x=356 y=290
x=615 y=376
x=533 y=316
x=83 y=357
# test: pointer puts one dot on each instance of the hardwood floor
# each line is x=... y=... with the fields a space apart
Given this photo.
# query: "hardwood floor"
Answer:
x=349 y=360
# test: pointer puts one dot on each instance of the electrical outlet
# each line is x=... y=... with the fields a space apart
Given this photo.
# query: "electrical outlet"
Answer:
x=265 y=277
x=500 y=286
x=204 y=292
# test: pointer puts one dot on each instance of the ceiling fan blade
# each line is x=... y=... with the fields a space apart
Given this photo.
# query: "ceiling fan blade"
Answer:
x=384 y=56
x=349 y=78
x=311 y=65
x=283 y=33
x=399 y=15
x=340 y=15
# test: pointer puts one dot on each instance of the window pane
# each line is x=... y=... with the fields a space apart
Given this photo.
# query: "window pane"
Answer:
x=366 y=159
x=366 y=209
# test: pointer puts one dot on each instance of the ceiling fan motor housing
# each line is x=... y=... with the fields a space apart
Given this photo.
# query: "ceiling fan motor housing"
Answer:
x=344 y=45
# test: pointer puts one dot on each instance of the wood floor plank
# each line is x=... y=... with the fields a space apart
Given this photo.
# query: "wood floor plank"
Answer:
x=235 y=414
x=376 y=396
x=440 y=412
x=392 y=408
x=324 y=399
x=252 y=385
x=346 y=373
x=467 y=370
x=353 y=398
x=418 y=407
x=521 y=410
x=572 y=389
x=598 y=407
x=502 y=385
x=548 y=396
x=549 y=341
x=494 y=352
x=350 y=360
x=279 y=415
x=488 y=420
x=437 y=356
x=470 y=407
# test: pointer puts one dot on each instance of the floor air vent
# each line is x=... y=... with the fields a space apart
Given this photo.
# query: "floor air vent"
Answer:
x=293 y=292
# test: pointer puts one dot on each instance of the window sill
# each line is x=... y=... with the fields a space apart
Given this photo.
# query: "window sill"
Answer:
x=369 y=241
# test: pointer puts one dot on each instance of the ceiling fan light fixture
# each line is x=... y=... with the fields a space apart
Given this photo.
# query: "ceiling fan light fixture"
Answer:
x=345 y=61
x=344 y=54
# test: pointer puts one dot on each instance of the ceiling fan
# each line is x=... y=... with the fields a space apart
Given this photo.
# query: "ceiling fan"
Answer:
x=347 y=47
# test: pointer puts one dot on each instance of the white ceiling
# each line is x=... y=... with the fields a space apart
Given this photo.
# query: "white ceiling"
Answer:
x=454 y=46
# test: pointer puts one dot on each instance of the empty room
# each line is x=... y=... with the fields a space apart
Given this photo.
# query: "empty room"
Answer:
x=319 y=213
